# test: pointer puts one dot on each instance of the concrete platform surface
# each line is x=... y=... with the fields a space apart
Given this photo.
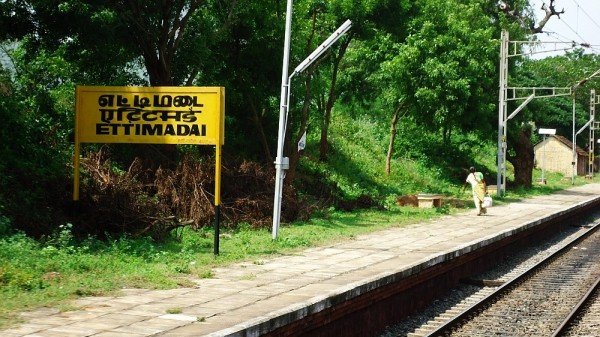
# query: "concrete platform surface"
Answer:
x=248 y=299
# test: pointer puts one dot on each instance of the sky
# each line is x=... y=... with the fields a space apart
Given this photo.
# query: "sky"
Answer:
x=579 y=23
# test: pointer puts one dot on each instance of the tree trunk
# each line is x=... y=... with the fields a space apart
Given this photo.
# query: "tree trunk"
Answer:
x=523 y=161
x=323 y=144
x=159 y=42
x=393 y=130
x=257 y=120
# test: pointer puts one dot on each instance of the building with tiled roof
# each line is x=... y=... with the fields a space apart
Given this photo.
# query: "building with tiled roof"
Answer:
x=555 y=154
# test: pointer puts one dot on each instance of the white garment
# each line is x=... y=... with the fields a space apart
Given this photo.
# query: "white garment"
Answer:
x=474 y=182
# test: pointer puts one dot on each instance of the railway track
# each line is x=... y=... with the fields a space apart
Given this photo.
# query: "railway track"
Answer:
x=585 y=318
x=534 y=303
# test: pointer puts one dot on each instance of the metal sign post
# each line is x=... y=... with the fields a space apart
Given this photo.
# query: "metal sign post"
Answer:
x=545 y=132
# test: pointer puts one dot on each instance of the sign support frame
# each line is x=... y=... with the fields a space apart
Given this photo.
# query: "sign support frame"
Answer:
x=215 y=138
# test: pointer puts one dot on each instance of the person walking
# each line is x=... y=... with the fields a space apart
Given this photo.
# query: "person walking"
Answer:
x=479 y=189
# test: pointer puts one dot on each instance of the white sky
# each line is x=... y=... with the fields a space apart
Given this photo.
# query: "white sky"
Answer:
x=579 y=23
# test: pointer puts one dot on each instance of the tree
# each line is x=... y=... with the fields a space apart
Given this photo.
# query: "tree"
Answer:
x=367 y=17
x=318 y=19
x=437 y=72
x=370 y=83
x=113 y=41
x=556 y=113
x=35 y=104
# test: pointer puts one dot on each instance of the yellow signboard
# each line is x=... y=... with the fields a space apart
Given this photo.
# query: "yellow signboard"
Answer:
x=153 y=115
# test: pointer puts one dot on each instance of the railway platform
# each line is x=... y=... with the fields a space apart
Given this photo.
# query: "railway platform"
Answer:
x=310 y=287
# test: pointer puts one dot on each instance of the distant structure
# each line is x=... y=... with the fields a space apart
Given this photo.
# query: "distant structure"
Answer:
x=555 y=154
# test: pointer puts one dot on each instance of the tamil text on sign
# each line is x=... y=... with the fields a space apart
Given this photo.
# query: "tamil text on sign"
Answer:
x=154 y=115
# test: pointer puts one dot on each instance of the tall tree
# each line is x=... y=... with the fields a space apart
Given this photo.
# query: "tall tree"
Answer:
x=437 y=72
x=112 y=42
x=367 y=18
x=447 y=65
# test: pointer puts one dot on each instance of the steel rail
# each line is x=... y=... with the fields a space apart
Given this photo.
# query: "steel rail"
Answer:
x=509 y=285
x=576 y=310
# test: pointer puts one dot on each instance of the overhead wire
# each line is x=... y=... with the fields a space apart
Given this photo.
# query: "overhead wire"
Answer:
x=583 y=42
x=557 y=39
x=574 y=31
x=586 y=13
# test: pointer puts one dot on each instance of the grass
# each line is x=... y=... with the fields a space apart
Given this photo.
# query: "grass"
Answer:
x=34 y=274
x=174 y=311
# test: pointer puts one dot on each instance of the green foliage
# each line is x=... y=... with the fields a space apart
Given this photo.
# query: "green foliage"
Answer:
x=448 y=64
x=423 y=163
x=50 y=271
x=559 y=71
x=36 y=110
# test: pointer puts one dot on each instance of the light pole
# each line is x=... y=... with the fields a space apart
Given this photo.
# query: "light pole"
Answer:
x=545 y=132
x=281 y=162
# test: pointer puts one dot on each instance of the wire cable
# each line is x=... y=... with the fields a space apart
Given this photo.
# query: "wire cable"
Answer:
x=576 y=33
x=586 y=13
x=558 y=37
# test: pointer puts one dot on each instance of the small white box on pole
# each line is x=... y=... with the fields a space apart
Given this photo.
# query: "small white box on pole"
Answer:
x=542 y=131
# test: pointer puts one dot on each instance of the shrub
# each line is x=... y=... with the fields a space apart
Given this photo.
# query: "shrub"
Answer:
x=154 y=203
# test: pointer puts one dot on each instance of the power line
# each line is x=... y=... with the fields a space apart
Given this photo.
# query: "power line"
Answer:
x=586 y=13
x=576 y=33
x=557 y=36
x=577 y=39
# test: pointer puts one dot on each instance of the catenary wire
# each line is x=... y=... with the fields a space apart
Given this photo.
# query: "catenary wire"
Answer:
x=586 y=13
x=574 y=31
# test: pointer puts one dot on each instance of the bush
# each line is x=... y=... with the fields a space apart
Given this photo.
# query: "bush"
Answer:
x=142 y=203
x=33 y=169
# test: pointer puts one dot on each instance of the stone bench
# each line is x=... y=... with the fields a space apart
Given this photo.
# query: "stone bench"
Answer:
x=429 y=200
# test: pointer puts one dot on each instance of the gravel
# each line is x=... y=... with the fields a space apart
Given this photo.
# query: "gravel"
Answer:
x=462 y=296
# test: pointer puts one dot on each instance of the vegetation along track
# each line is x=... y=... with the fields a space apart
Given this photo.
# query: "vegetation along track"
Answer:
x=536 y=302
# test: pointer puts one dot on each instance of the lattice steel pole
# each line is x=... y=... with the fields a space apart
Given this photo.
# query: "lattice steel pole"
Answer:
x=501 y=169
x=593 y=126
x=574 y=158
